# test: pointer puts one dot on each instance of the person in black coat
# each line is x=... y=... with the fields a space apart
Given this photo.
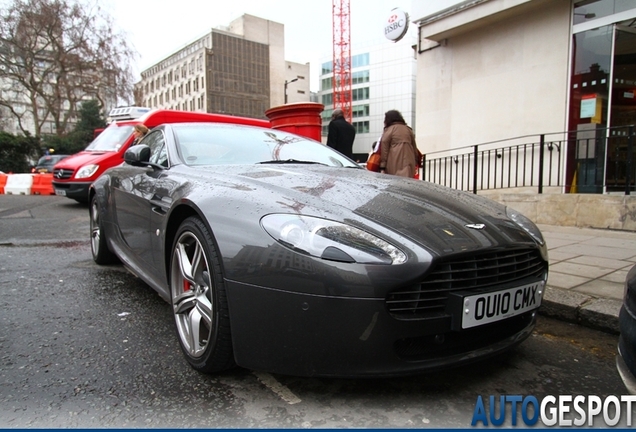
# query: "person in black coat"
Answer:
x=341 y=134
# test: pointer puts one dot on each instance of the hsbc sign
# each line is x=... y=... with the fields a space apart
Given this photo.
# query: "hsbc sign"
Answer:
x=396 y=25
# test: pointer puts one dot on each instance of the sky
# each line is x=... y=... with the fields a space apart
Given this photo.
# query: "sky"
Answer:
x=158 y=28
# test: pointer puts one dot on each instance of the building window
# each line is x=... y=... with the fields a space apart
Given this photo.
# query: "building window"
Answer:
x=327 y=99
x=360 y=60
x=361 y=127
x=360 y=94
x=360 y=77
x=327 y=68
x=360 y=111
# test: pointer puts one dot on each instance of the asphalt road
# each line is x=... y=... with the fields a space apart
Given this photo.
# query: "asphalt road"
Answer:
x=88 y=346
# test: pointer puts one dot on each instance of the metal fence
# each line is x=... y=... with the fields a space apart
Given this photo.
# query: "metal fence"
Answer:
x=603 y=158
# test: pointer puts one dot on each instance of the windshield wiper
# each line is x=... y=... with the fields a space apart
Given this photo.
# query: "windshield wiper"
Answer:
x=290 y=161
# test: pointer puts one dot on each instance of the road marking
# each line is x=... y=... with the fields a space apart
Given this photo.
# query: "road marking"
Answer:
x=283 y=392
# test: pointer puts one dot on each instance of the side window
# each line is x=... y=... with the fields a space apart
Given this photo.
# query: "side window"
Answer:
x=158 y=153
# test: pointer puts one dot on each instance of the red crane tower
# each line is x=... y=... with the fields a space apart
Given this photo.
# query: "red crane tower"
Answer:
x=341 y=81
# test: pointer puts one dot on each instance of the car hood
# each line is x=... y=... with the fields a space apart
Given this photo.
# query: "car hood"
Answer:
x=80 y=159
x=438 y=218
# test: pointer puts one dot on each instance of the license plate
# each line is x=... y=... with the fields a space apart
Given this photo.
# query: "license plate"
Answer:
x=486 y=308
x=60 y=192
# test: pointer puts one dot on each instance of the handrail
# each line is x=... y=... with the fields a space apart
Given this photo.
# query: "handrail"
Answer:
x=540 y=163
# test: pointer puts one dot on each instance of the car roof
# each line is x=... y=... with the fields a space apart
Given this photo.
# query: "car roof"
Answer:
x=52 y=157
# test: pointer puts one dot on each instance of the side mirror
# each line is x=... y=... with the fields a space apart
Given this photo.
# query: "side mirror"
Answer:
x=138 y=155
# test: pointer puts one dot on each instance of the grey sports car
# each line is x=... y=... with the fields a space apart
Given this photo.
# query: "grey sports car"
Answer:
x=279 y=254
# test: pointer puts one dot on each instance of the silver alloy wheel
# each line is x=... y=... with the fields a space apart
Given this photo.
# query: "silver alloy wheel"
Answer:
x=191 y=294
x=95 y=229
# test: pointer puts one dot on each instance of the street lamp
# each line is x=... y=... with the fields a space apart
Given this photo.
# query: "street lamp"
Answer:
x=289 y=82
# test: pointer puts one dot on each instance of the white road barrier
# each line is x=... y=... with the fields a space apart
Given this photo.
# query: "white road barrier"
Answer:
x=18 y=184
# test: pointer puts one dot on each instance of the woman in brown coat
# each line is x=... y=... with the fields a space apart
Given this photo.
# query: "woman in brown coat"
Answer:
x=398 y=148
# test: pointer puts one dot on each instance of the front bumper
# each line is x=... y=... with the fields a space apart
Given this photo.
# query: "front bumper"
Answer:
x=74 y=190
x=311 y=335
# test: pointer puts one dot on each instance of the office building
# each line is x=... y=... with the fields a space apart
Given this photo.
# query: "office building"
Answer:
x=236 y=70
x=383 y=78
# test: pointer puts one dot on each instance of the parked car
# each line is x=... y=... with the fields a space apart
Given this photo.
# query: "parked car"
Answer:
x=46 y=163
x=75 y=174
x=280 y=254
x=626 y=359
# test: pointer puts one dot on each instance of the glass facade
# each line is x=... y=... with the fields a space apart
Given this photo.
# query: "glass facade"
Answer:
x=602 y=96
x=382 y=78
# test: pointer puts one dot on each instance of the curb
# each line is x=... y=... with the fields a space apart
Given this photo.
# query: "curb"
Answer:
x=582 y=309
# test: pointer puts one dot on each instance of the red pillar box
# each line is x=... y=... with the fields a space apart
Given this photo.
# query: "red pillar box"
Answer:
x=301 y=118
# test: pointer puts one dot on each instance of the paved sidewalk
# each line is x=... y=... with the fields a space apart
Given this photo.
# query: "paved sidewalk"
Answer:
x=587 y=274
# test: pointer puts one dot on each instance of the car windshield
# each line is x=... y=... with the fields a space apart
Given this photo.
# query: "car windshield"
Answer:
x=111 y=138
x=48 y=160
x=215 y=144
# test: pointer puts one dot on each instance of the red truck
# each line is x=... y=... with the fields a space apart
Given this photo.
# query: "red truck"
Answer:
x=73 y=176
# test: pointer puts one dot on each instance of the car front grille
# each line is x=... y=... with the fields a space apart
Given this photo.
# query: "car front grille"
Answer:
x=429 y=298
x=62 y=174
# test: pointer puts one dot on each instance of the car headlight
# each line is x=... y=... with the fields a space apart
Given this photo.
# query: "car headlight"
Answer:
x=330 y=240
x=526 y=224
x=86 y=171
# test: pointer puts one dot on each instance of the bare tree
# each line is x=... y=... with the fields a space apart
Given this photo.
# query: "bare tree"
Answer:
x=54 y=54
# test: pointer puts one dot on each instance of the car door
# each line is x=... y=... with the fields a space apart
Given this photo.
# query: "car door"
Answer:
x=132 y=198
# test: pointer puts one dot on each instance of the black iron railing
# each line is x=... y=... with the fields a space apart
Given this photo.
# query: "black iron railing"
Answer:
x=602 y=161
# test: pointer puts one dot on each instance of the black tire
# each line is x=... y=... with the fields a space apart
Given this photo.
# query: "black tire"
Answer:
x=101 y=253
x=198 y=298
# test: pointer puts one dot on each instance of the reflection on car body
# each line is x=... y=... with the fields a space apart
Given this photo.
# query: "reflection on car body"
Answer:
x=279 y=254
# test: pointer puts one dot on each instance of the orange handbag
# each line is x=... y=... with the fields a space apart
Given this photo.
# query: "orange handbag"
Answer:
x=373 y=163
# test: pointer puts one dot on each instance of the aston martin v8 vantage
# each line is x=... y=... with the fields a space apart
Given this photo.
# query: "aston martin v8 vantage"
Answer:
x=279 y=254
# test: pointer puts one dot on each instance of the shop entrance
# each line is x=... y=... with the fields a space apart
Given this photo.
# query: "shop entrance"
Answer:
x=602 y=108
x=622 y=109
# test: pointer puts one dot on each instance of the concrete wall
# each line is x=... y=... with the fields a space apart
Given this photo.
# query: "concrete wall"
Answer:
x=494 y=76
x=273 y=34
x=297 y=91
x=579 y=210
